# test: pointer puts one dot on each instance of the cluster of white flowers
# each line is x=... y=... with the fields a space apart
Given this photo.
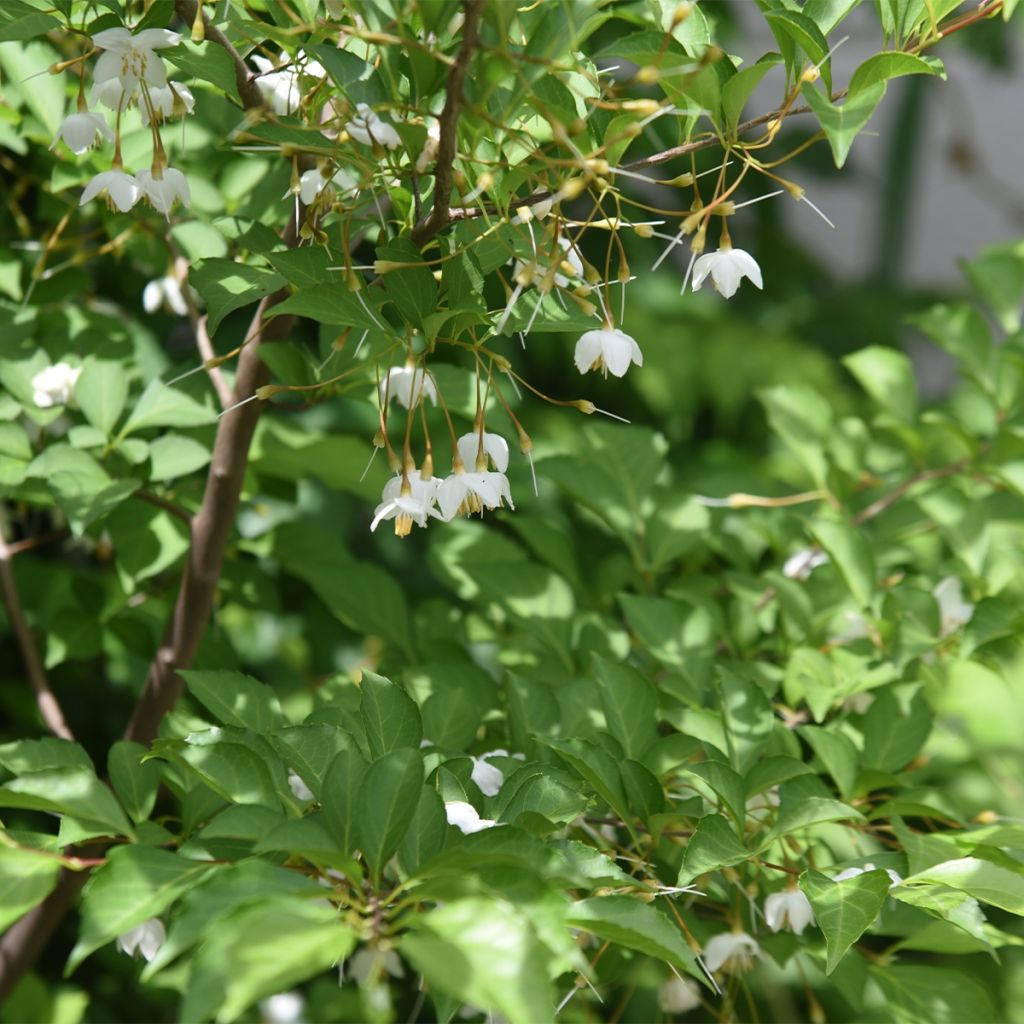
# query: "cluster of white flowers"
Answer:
x=130 y=72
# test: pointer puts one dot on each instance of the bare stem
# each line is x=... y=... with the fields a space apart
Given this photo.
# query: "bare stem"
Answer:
x=440 y=211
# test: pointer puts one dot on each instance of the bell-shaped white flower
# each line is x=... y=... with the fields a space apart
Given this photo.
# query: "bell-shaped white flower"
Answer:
x=494 y=447
x=164 y=291
x=299 y=788
x=407 y=384
x=161 y=192
x=789 y=908
x=954 y=611
x=365 y=962
x=678 y=995
x=145 y=938
x=570 y=266
x=608 y=350
x=279 y=88
x=123 y=190
x=407 y=498
x=842 y=876
x=82 y=131
x=284 y=1008
x=487 y=778
x=54 y=385
x=369 y=128
x=730 y=951
x=800 y=565
x=727 y=268
x=313 y=182
x=428 y=154
x=129 y=59
x=464 y=493
x=173 y=100
x=465 y=818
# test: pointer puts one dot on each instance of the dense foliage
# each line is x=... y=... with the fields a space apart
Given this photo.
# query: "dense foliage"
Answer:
x=709 y=714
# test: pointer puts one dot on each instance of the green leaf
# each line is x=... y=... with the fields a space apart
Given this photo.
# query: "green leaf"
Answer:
x=101 y=392
x=738 y=90
x=960 y=330
x=74 y=791
x=174 y=455
x=837 y=753
x=792 y=25
x=412 y=289
x=803 y=419
x=259 y=950
x=235 y=699
x=630 y=706
x=880 y=68
x=227 y=285
x=134 y=884
x=356 y=79
x=385 y=804
x=713 y=845
x=842 y=124
x=998 y=274
x=939 y=995
x=802 y=804
x=27 y=877
x=888 y=377
x=725 y=783
x=634 y=924
x=162 y=406
x=844 y=910
x=427 y=832
x=334 y=304
x=455 y=948
x=232 y=770
x=852 y=554
x=599 y=769
x=991 y=883
x=389 y=714
x=309 y=751
x=135 y=781
x=21 y=756
x=748 y=718
x=207 y=61
x=895 y=731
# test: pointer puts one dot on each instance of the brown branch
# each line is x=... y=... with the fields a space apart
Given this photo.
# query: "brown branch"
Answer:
x=244 y=79
x=440 y=211
x=159 y=502
x=49 y=708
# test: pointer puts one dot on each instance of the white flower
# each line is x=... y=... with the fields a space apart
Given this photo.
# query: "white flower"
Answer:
x=846 y=873
x=465 y=493
x=173 y=99
x=464 y=817
x=408 y=384
x=164 y=291
x=82 y=131
x=123 y=190
x=953 y=609
x=730 y=951
x=495 y=447
x=280 y=89
x=128 y=60
x=727 y=268
x=608 y=350
x=571 y=259
x=298 y=787
x=788 y=908
x=429 y=152
x=284 y=1008
x=678 y=995
x=313 y=182
x=368 y=128
x=54 y=385
x=146 y=938
x=163 y=191
x=486 y=776
x=407 y=499
x=799 y=566
x=365 y=962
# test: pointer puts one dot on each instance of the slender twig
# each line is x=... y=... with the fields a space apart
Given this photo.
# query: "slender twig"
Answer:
x=168 y=506
x=244 y=79
x=49 y=708
x=440 y=211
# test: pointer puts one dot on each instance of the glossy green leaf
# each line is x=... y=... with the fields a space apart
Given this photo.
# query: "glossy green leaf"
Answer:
x=713 y=845
x=235 y=699
x=844 y=910
x=27 y=877
x=842 y=124
x=385 y=804
x=135 y=781
x=390 y=716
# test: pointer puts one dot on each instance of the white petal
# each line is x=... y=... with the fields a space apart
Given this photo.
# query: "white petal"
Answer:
x=116 y=40
x=155 y=38
x=588 y=348
x=152 y=296
x=618 y=352
x=726 y=276
x=108 y=67
x=385 y=510
x=495 y=446
x=747 y=265
x=487 y=777
x=450 y=494
x=701 y=269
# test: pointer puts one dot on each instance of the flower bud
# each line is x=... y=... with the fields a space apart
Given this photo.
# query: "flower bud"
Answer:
x=584 y=406
x=525 y=443
x=573 y=188
x=810 y=74
x=643 y=107
x=644 y=230
x=268 y=391
x=648 y=75
x=682 y=180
